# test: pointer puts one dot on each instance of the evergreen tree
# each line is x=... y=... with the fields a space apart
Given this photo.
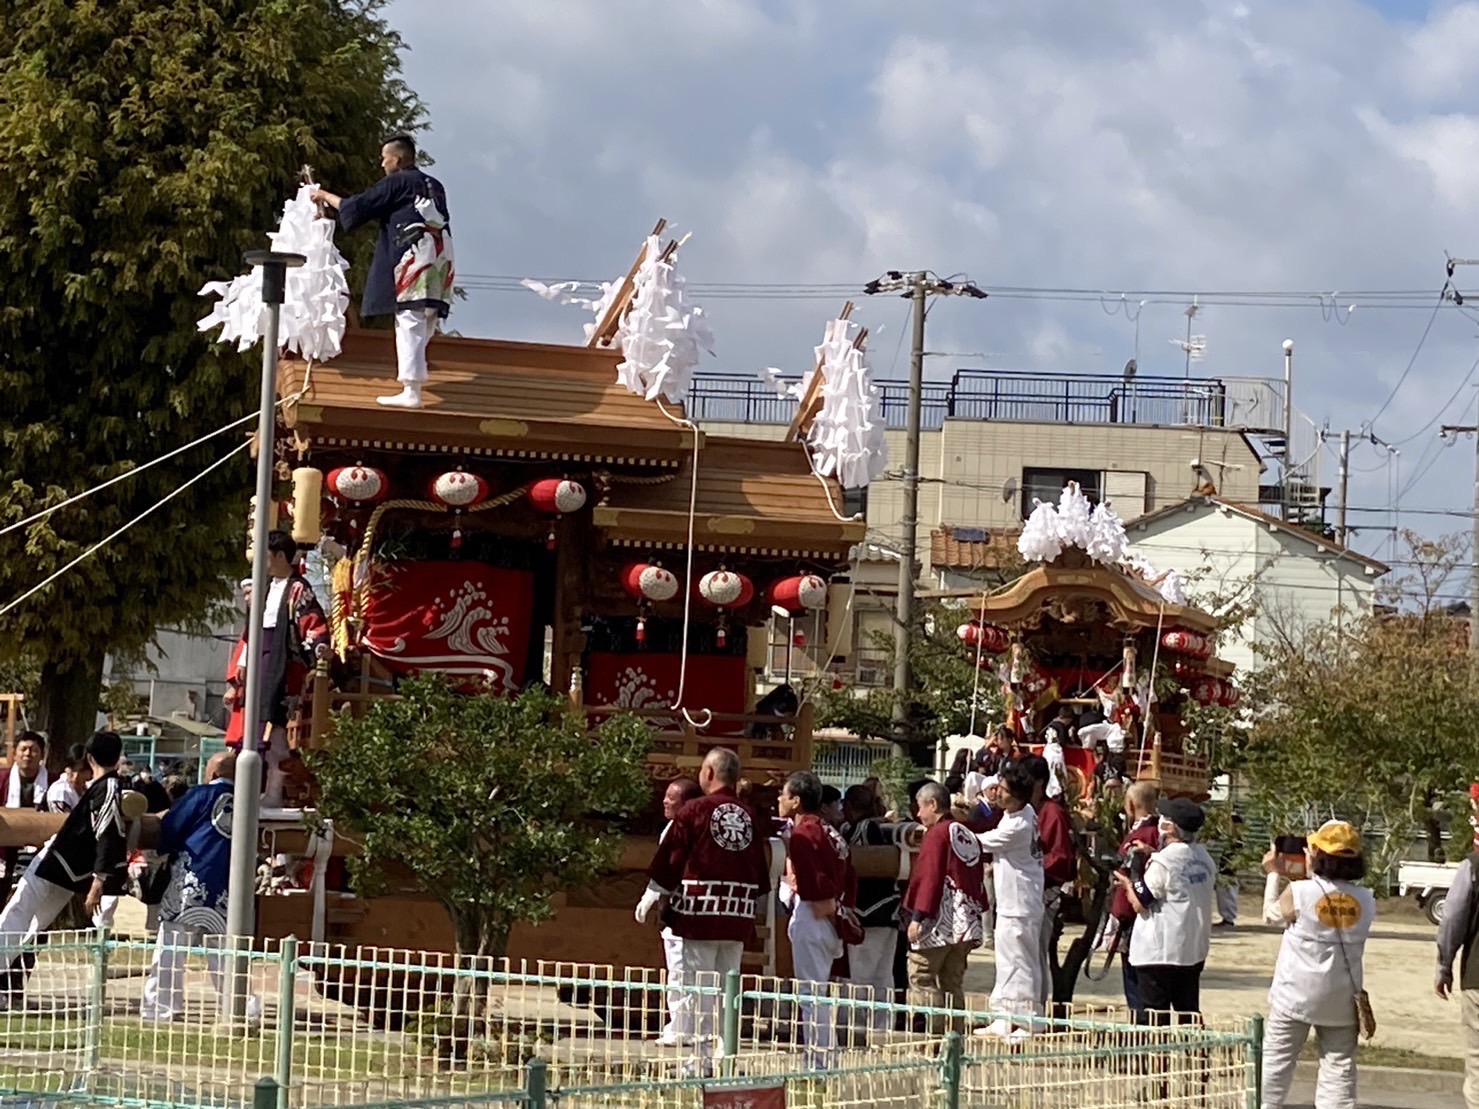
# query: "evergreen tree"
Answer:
x=145 y=145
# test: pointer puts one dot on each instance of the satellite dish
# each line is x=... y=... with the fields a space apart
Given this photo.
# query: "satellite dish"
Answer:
x=1008 y=490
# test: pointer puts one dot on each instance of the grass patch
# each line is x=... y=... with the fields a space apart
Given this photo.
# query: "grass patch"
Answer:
x=1368 y=1056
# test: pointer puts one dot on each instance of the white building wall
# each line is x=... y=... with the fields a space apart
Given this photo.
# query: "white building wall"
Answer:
x=1291 y=582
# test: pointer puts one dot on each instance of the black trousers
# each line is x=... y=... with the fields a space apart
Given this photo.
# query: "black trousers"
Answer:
x=1169 y=988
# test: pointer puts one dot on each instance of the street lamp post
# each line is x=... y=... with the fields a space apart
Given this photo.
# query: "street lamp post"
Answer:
x=247 y=800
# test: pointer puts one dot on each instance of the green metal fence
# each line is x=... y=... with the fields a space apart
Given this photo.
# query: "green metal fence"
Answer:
x=305 y=1026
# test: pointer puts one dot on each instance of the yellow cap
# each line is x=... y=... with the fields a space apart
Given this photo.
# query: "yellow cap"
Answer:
x=1336 y=837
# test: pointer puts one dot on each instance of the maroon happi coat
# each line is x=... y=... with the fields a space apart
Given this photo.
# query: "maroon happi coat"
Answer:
x=714 y=864
x=946 y=891
x=820 y=862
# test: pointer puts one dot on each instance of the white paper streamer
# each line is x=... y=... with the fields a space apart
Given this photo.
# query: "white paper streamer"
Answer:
x=1073 y=517
x=662 y=336
x=312 y=317
x=1107 y=541
x=847 y=434
x=1040 y=540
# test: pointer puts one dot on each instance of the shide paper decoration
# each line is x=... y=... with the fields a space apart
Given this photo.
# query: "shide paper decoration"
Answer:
x=312 y=317
x=662 y=334
x=847 y=434
x=1099 y=533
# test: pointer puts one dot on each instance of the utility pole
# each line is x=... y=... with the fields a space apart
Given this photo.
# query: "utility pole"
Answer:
x=1345 y=483
x=1342 y=531
x=1451 y=433
x=246 y=799
x=918 y=287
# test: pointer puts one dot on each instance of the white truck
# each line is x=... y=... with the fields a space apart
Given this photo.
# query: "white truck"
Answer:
x=1429 y=883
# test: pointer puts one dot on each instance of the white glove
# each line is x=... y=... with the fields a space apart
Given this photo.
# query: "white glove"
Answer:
x=649 y=901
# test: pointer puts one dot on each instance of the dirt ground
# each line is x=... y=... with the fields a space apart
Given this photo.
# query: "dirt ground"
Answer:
x=1401 y=956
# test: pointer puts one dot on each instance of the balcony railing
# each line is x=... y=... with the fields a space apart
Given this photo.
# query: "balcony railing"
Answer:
x=1014 y=396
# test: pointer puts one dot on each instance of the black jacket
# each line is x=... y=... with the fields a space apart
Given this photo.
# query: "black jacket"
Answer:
x=92 y=843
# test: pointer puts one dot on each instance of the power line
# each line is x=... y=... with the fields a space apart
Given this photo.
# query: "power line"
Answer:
x=1422 y=339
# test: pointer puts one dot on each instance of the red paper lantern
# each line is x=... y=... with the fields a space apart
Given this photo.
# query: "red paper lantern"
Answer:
x=648 y=583
x=799 y=594
x=991 y=639
x=1206 y=691
x=458 y=489
x=726 y=589
x=557 y=496
x=1186 y=643
x=358 y=484
x=1229 y=695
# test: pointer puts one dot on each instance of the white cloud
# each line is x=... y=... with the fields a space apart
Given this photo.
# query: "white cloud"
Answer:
x=1171 y=144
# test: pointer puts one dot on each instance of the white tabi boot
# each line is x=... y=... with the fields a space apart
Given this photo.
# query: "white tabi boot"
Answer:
x=408 y=397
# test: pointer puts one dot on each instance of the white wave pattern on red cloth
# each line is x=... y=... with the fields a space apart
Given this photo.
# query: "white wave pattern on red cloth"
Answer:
x=463 y=618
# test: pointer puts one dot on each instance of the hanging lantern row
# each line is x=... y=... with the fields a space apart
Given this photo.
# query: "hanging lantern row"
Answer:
x=1215 y=691
x=991 y=639
x=1187 y=643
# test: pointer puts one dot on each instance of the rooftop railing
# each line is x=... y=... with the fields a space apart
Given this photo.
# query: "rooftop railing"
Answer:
x=1019 y=397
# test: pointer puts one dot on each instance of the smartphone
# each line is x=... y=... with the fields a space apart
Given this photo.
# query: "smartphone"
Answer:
x=1290 y=850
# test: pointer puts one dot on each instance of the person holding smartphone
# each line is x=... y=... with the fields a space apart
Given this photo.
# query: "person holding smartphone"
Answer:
x=1318 y=977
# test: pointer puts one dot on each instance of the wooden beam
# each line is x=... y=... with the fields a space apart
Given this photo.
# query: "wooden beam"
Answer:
x=811 y=400
x=606 y=326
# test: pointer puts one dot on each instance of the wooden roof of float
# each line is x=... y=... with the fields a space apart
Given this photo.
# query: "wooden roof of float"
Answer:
x=753 y=497
x=1133 y=605
x=485 y=397
x=497 y=399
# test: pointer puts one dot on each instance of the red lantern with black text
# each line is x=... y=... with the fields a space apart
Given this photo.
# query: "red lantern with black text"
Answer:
x=556 y=497
x=356 y=486
x=1206 y=691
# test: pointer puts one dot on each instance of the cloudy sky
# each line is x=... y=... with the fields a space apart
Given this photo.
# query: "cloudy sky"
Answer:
x=1157 y=149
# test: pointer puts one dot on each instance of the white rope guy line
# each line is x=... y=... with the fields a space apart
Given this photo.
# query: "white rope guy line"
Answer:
x=28 y=594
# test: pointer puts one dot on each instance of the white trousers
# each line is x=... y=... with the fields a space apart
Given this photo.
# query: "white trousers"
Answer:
x=814 y=948
x=1227 y=903
x=871 y=963
x=32 y=907
x=1018 y=966
x=672 y=954
x=414 y=328
x=1283 y=1040
x=703 y=963
x=164 y=989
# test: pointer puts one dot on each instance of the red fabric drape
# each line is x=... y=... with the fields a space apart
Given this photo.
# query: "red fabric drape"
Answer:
x=649 y=680
x=452 y=617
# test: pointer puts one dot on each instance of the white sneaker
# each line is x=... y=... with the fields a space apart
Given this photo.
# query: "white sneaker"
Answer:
x=1019 y=1037
x=998 y=1028
x=408 y=397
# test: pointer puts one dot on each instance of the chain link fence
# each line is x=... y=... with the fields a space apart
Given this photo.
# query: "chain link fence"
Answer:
x=290 y=1026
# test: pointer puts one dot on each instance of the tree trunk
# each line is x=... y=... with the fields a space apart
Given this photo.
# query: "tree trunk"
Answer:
x=67 y=699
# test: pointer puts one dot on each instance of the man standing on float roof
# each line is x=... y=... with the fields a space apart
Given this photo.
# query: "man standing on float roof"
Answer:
x=412 y=272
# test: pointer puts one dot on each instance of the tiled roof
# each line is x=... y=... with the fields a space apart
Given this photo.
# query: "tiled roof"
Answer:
x=954 y=548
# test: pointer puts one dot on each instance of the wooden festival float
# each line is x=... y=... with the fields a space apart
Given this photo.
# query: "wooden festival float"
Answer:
x=537 y=520
x=1089 y=626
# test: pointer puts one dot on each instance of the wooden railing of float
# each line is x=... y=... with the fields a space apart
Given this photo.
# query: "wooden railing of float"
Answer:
x=787 y=742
